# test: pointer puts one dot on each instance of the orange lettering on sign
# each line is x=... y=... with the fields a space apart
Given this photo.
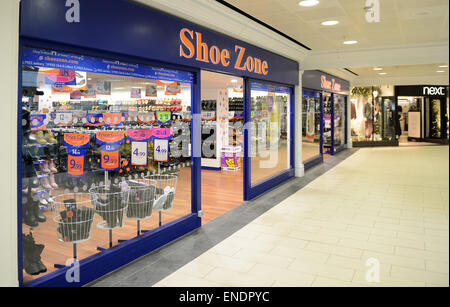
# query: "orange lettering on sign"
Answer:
x=201 y=51
x=187 y=43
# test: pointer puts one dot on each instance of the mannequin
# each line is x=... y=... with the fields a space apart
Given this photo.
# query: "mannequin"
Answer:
x=368 y=115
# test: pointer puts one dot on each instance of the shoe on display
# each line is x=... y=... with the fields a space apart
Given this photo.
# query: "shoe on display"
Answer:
x=43 y=202
x=46 y=183
x=52 y=167
x=35 y=185
x=50 y=137
x=40 y=137
x=28 y=215
x=52 y=181
x=44 y=167
x=40 y=217
x=32 y=263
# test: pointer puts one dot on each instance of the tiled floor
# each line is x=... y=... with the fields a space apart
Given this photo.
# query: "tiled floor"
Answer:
x=385 y=208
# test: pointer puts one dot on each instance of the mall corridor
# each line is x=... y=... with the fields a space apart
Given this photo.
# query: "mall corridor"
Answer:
x=390 y=205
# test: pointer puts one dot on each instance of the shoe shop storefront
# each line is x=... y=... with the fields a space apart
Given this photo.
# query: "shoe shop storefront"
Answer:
x=422 y=113
x=123 y=113
x=324 y=116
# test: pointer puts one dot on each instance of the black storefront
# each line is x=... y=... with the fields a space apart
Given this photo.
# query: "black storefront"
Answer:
x=423 y=112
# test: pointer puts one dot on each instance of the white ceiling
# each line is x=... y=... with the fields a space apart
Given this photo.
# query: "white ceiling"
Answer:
x=402 y=21
x=405 y=25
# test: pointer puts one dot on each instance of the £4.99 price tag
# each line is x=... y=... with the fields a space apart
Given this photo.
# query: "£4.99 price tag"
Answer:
x=160 y=150
x=139 y=153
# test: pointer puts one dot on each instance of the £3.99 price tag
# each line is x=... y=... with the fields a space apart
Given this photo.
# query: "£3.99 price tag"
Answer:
x=139 y=153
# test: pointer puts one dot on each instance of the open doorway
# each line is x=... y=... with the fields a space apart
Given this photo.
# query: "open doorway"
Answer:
x=420 y=120
x=222 y=102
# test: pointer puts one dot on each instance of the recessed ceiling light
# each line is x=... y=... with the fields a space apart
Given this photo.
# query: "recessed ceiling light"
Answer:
x=308 y=3
x=383 y=73
x=350 y=42
x=443 y=66
x=330 y=23
x=378 y=68
x=440 y=71
x=234 y=81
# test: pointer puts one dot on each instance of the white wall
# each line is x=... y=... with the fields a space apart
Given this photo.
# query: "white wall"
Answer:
x=9 y=32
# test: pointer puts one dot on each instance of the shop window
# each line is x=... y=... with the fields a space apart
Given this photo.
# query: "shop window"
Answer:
x=339 y=121
x=373 y=118
x=106 y=154
x=311 y=126
x=269 y=131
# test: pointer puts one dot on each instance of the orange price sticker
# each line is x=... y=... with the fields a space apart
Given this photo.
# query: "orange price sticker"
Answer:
x=75 y=165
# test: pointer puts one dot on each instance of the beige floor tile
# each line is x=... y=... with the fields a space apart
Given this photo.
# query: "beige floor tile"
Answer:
x=225 y=262
x=234 y=279
x=253 y=256
x=282 y=275
x=323 y=270
x=381 y=208
x=334 y=283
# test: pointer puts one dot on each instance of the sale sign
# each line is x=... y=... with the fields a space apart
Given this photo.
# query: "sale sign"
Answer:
x=75 y=162
x=139 y=134
x=110 y=158
x=160 y=150
x=139 y=145
x=112 y=119
x=76 y=144
x=139 y=153
x=110 y=149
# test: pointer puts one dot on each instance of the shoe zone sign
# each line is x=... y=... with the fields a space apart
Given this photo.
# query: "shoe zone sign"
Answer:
x=147 y=33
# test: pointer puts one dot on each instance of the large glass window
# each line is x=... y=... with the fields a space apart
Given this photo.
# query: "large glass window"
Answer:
x=311 y=126
x=269 y=131
x=327 y=108
x=339 y=121
x=372 y=119
x=106 y=154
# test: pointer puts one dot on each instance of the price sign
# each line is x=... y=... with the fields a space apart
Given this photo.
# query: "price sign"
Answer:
x=75 y=163
x=110 y=156
x=160 y=150
x=139 y=153
x=164 y=117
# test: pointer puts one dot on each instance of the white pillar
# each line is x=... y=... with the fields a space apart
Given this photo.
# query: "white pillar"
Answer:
x=9 y=35
x=299 y=166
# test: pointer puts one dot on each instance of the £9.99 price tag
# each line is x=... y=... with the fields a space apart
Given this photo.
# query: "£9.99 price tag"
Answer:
x=160 y=150
x=75 y=163
x=110 y=156
x=139 y=153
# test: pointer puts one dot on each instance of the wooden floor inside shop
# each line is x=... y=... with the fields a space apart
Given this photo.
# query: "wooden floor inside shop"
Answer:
x=221 y=192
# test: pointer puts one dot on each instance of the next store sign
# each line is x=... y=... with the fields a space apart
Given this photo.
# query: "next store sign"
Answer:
x=150 y=34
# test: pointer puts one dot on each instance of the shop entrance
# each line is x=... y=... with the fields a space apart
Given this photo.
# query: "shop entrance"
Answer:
x=222 y=105
x=422 y=119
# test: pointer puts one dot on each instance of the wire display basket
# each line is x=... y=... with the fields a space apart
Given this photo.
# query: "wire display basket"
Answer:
x=142 y=197
x=73 y=215
x=165 y=191
x=110 y=203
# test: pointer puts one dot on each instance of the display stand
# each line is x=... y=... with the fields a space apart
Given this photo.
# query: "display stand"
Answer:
x=165 y=192
x=73 y=215
x=110 y=203
x=140 y=205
